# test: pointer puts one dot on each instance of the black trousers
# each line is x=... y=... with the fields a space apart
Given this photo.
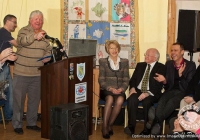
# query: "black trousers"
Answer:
x=132 y=105
x=169 y=101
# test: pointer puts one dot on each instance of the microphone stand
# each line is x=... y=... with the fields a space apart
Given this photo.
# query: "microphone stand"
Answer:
x=60 y=47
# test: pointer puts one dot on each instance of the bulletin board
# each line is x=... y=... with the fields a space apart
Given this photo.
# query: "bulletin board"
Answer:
x=102 y=20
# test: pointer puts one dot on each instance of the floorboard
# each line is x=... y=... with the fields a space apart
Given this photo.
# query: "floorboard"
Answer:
x=9 y=133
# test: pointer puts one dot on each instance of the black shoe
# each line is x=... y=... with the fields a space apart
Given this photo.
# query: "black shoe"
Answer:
x=19 y=131
x=35 y=128
x=110 y=132
x=156 y=129
x=106 y=136
x=145 y=132
x=128 y=131
x=6 y=121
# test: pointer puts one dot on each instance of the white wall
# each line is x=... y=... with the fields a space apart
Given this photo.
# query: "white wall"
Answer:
x=152 y=20
x=153 y=26
x=22 y=9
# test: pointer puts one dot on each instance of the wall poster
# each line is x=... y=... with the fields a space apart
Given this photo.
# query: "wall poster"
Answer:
x=102 y=20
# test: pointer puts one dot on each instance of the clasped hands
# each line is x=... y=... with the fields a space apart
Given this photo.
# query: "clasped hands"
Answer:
x=115 y=91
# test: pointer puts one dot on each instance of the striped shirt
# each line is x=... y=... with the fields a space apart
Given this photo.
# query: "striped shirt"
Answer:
x=29 y=50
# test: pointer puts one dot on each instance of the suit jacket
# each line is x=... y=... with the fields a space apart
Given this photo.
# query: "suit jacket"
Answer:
x=154 y=86
x=184 y=79
x=109 y=78
x=194 y=86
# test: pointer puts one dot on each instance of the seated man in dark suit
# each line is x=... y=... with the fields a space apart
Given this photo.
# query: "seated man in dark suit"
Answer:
x=179 y=72
x=144 y=88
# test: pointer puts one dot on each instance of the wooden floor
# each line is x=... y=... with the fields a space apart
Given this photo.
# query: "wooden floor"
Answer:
x=9 y=133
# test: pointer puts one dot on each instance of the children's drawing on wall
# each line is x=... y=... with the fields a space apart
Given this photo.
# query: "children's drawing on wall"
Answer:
x=99 y=31
x=98 y=10
x=121 y=10
x=100 y=53
x=76 y=9
x=77 y=31
x=126 y=52
x=120 y=32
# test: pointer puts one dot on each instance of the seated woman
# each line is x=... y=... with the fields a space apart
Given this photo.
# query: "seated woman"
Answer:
x=113 y=80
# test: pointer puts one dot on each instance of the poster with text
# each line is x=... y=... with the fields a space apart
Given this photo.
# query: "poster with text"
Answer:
x=80 y=92
x=120 y=32
x=99 y=31
x=98 y=10
x=121 y=10
x=76 y=9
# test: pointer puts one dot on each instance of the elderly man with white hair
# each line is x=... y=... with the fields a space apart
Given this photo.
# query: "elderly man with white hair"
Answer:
x=144 y=88
x=31 y=46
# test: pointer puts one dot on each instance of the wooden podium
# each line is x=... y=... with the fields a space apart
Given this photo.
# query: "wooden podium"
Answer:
x=57 y=88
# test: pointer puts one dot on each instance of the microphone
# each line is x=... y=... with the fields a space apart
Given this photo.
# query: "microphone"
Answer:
x=48 y=37
x=60 y=46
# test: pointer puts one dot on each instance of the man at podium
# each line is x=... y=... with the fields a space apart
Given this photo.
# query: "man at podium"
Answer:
x=31 y=47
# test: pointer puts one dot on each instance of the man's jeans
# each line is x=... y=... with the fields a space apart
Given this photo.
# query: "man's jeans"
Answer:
x=8 y=104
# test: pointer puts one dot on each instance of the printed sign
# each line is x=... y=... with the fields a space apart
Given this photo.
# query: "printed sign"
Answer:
x=80 y=92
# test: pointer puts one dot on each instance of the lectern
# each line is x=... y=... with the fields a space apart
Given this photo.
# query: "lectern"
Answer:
x=58 y=87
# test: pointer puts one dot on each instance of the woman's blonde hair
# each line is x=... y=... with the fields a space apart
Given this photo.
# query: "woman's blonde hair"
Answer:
x=107 y=45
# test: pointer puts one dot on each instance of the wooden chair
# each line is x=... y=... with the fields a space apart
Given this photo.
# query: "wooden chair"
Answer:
x=164 y=122
x=2 y=114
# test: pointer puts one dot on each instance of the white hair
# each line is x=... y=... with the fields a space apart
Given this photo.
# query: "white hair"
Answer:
x=36 y=12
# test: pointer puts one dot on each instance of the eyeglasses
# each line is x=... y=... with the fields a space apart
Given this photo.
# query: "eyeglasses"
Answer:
x=147 y=55
x=15 y=22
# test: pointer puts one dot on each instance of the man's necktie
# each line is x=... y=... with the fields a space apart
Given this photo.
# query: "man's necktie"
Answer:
x=145 y=80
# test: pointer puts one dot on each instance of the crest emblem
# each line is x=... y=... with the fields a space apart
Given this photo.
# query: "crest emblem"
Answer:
x=80 y=71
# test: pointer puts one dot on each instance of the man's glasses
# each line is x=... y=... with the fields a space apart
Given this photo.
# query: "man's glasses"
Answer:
x=147 y=55
x=15 y=22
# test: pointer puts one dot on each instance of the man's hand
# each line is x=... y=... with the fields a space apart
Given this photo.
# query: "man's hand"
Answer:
x=143 y=96
x=40 y=35
x=181 y=69
x=132 y=91
x=46 y=60
x=6 y=53
x=160 y=78
x=12 y=57
x=188 y=99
